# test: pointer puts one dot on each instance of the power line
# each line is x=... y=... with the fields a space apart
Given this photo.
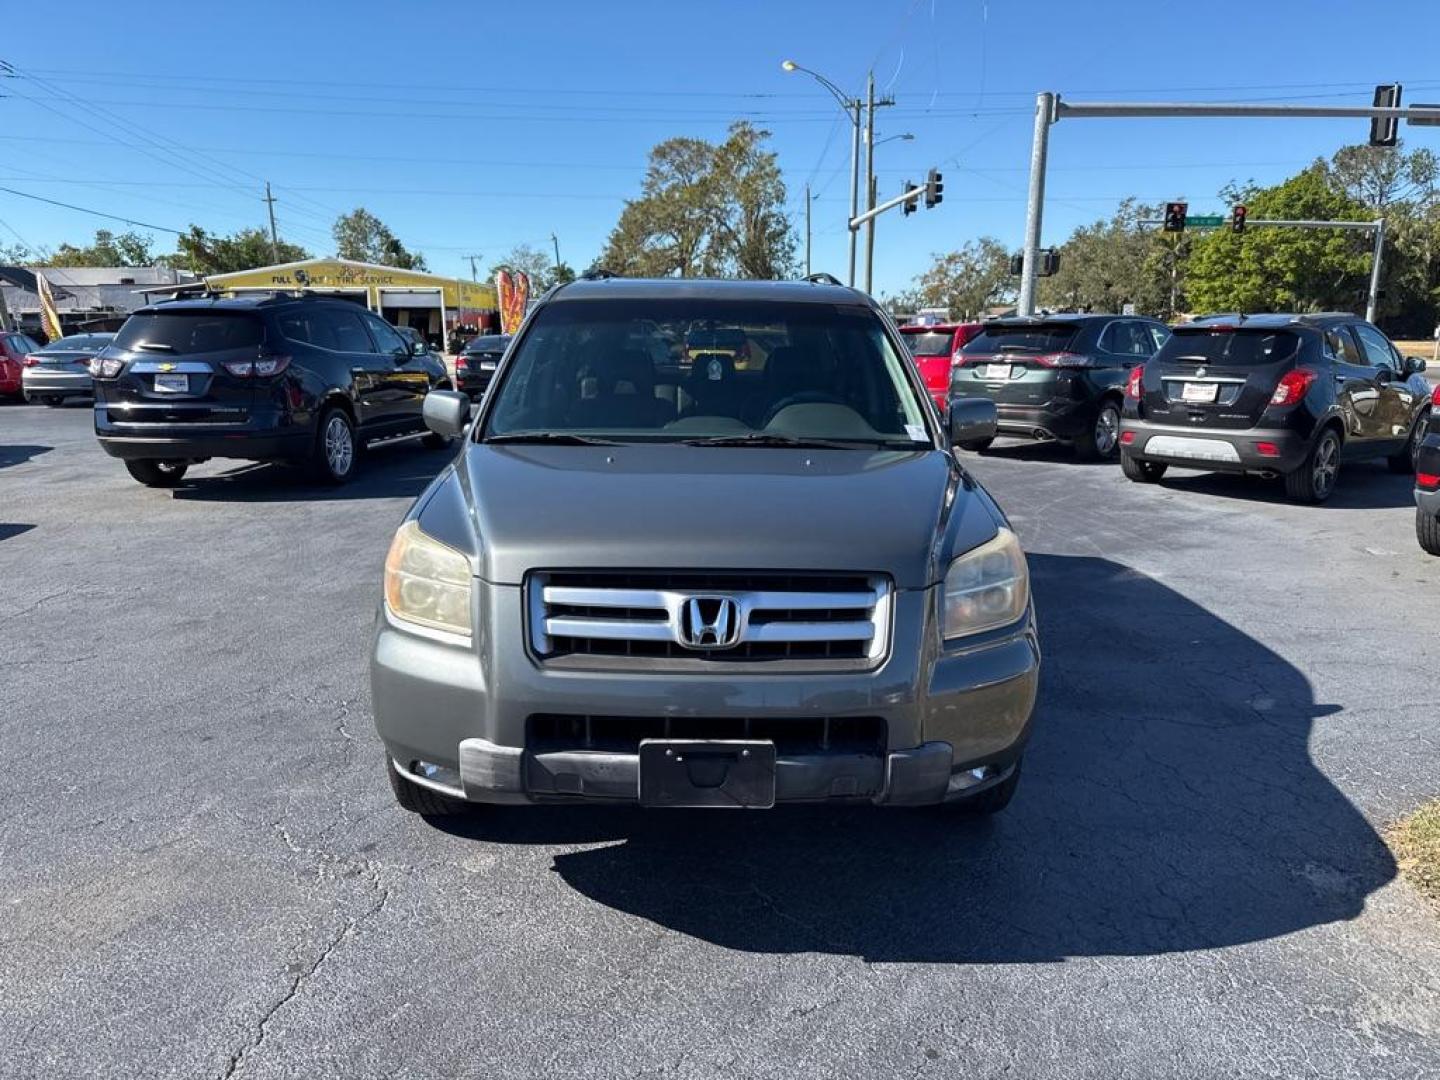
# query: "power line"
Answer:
x=96 y=213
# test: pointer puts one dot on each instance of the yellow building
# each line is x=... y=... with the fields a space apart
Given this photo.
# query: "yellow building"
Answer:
x=436 y=306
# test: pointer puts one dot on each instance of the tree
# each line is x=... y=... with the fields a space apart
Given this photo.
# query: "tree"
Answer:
x=201 y=253
x=706 y=211
x=562 y=274
x=14 y=254
x=1276 y=269
x=1108 y=264
x=530 y=261
x=361 y=236
x=127 y=249
x=969 y=281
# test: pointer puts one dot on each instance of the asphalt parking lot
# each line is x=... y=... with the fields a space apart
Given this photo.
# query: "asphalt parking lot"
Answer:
x=204 y=873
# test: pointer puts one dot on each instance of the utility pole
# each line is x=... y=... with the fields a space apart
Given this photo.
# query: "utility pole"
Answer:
x=473 y=275
x=807 y=230
x=274 y=236
x=556 y=241
x=870 y=106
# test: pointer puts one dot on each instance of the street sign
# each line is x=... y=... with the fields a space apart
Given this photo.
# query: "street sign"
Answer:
x=1203 y=221
x=1425 y=121
x=1127 y=309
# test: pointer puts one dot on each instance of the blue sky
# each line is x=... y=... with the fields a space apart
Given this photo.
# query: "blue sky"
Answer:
x=471 y=127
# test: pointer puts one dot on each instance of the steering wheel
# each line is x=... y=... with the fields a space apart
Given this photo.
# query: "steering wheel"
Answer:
x=804 y=397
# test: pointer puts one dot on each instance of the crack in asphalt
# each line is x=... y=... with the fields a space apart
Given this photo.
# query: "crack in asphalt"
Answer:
x=326 y=862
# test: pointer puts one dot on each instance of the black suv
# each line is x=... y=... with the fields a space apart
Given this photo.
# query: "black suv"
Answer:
x=1057 y=376
x=262 y=378
x=476 y=364
x=1427 y=482
x=1279 y=395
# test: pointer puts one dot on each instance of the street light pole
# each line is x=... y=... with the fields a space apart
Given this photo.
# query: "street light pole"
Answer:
x=869 y=177
x=1372 y=299
x=807 y=230
x=1035 y=203
x=852 y=107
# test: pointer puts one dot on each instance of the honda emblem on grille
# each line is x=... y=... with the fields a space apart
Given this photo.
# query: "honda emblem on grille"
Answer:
x=710 y=622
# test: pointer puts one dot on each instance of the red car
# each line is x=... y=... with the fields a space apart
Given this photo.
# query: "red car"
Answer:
x=934 y=349
x=14 y=348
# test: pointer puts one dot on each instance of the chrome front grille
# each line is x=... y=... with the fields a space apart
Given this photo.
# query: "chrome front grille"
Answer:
x=785 y=619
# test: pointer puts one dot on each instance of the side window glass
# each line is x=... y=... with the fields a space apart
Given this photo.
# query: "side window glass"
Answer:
x=387 y=341
x=1158 y=336
x=1342 y=346
x=23 y=344
x=349 y=332
x=296 y=327
x=1377 y=349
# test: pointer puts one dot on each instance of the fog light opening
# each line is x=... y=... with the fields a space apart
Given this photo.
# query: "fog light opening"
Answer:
x=965 y=779
x=436 y=775
x=1127 y=438
x=1267 y=449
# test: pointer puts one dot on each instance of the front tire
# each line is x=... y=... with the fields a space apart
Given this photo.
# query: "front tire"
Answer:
x=1101 y=440
x=1142 y=472
x=1315 y=480
x=1403 y=462
x=1427 y=531
x=421 y=800
x=333 y=459
x=157 y=473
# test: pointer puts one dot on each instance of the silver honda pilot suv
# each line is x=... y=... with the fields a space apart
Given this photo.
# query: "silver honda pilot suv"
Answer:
x=745 y=572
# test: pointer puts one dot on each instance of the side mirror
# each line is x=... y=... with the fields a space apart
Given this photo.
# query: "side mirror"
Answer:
x=971 y=420
x=1414 y=365
x=446 y=412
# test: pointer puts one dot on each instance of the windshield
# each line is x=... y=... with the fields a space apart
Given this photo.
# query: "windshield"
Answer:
x=1029 y=339
x=1234 y=348
x=929 y=343
x=812 y=372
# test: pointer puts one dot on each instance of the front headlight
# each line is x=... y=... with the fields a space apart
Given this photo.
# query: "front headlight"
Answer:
x=427 y=582
x=986 y=588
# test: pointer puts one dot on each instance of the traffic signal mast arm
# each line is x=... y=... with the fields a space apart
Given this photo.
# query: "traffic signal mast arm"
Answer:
x=907 y=196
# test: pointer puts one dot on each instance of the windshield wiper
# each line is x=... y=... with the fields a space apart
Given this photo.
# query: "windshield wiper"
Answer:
x=559 y=438
x=765 y=438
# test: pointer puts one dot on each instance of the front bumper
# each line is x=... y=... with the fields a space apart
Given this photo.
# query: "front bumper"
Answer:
x=48 y=382
x=955 y=720
x=1214 y=449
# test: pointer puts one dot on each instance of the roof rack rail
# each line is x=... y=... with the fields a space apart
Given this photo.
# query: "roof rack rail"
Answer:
x=823 y=278
x=598 y=273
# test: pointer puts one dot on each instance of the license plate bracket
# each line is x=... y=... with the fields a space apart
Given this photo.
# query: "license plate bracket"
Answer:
x=1200 y=393
x=711 y=773
x=168 y=383
x=995 y=372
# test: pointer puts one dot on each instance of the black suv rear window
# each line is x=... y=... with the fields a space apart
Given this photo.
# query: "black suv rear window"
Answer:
x=1038 y=339
x=1232 y=347
x=929 y=344
x=189 y=332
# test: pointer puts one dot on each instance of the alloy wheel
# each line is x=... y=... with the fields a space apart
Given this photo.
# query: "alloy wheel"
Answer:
x=339 y=446
x=1107 y=430
x=1326 y=465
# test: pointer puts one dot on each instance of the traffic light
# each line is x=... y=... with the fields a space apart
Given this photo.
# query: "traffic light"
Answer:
x=1237 y=219
x=1385 y=130
x=1017 y=265
x=908 y=206
x=1049 y=262
x=1175 y=216
x=934 y=189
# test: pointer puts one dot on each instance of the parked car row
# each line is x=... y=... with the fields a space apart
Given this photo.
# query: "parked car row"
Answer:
x=1290 y=396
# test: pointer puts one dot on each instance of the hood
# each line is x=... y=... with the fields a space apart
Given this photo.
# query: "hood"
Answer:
x=732 y=508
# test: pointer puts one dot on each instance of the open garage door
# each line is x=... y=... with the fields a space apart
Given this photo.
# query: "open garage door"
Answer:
x=421 y=308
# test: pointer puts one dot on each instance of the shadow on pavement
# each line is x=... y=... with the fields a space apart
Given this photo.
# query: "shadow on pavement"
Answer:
x=385 y=472
x=18 y=455
x=9 y=531
x=1169 y=804
x=1363 y=486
